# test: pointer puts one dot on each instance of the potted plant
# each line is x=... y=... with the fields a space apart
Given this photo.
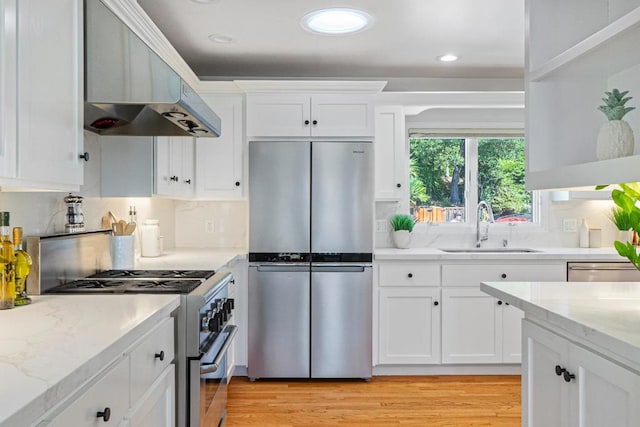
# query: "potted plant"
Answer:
x=626 y=199
x=623 y=222
x=402 y=228
x=615 y=138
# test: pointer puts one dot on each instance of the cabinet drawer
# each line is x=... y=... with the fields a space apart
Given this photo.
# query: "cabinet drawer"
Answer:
x=111 y=391
x=409 y=274
x=473 y=274
x=146 y=363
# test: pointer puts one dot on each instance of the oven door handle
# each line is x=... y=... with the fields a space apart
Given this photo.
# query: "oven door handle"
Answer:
x=210 y=368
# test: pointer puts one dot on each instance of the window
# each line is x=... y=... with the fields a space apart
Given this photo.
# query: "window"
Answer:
x=449 y=176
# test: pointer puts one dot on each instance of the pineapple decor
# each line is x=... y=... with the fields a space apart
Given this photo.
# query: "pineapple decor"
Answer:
x=615 y=138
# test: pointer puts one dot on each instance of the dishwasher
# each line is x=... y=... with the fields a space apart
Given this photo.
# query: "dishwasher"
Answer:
x=602 y=272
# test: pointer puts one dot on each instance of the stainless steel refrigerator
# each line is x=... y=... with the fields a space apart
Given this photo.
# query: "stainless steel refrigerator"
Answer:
x=310 y=253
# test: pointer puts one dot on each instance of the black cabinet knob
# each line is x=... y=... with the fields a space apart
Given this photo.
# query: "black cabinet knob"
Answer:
x=105 y=415
x=187 y=181
x=84 y=156
x=160 y=355
x=568 y=376
x=398 y=185
x=237 y=183
x=436 y=303
x=315 y=122
x=503 y=275
x=174 y=178
x=499 y=302
x=306 y=122
x=559 y=370
x=410 y=275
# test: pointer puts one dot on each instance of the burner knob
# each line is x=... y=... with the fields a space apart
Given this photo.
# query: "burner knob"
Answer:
x=231 y=303
x=213 y=324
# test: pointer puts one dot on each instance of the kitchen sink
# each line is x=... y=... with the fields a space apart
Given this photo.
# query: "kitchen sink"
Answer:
x=491 y=250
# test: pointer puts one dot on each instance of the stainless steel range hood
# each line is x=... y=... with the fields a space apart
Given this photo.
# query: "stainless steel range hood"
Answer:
x=130 y=90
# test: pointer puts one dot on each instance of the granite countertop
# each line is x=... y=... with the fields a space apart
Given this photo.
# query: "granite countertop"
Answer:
x=190 y=259
x=50 y=348
x=562 y=254
x=604 y=314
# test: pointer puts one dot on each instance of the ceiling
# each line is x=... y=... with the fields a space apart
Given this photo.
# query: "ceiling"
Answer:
x=403 y=43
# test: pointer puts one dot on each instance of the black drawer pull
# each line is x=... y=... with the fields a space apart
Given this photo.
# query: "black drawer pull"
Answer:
x=559 y=370
x=503 y=275
x=436 y=303
x=568 y=376
x=410 y=275
x=499 y=302
x=105 y=415
x=160 y=355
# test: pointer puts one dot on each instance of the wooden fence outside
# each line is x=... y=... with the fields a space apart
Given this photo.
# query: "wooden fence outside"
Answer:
x=439 y=214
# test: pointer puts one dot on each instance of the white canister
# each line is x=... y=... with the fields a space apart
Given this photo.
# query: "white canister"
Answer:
x=150 y=238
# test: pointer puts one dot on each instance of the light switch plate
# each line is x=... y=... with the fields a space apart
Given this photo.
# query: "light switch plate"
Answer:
x=570 y=225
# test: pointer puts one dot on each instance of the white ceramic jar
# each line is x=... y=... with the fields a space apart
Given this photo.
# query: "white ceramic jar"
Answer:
x=150 y=238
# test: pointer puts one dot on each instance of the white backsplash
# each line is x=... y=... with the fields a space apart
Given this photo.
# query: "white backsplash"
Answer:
x=550 y=235
x=221 y=224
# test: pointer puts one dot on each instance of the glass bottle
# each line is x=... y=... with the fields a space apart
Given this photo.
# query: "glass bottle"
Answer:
x=22 y=268
x=7 y=260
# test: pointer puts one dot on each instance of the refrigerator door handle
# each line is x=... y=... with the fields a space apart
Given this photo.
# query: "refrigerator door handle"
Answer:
x=281 y=268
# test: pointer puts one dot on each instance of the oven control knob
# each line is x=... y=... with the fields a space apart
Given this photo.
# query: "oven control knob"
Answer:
x=231 y=303
x=213 y=324
x=204 y=324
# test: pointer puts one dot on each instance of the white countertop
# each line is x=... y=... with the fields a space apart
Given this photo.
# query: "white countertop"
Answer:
x=51 y=347
x=433 y=254
x=605 y=314
x=190 y=259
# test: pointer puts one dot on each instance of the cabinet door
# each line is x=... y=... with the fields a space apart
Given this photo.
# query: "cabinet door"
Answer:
x=219 y=160
x=409 y=325
x=391 y=158
x=187 y=181
x=157 y=407
x=174 y=166
x=471 y=331
x=8 y=80
x=342 y=115
x=50 y=93
x=278 y=115
x=603 y=393
x=511 y=333
x=545 y=398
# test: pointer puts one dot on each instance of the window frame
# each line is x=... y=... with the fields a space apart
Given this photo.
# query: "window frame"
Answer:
x=538 y=198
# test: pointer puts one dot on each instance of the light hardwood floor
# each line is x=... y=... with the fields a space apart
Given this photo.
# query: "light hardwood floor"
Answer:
x=434 y=401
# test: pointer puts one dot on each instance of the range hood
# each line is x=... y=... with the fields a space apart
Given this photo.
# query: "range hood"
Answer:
x=130 y=90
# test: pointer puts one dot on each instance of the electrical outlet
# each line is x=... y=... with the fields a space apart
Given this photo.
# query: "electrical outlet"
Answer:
x=381 y=226
x=570 y=225
x=208 y=226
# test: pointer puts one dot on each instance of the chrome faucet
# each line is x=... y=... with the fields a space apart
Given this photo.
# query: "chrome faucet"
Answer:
x=487 y=208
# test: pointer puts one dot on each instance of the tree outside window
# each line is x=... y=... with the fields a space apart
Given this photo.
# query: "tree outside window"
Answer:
x=441 y=169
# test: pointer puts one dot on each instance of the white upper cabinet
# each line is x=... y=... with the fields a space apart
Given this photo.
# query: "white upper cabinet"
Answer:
x=302 y=115
x=174 y=166
x=219 y=171
x=49 y=94
x=577 y=50
x=391 y=159
x=8 y=48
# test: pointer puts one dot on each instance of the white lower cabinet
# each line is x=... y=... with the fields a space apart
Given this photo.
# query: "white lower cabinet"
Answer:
x=566 y=384
x=471 y=326
x=409 y=325
x=137 y=391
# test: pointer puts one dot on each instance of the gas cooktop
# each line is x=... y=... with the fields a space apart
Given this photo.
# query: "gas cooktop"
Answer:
x=137 y=281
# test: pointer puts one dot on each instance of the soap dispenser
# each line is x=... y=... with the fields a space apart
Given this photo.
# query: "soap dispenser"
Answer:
x=584 y=234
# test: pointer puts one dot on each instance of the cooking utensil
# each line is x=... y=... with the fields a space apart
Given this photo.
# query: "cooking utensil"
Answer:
x=130 y=228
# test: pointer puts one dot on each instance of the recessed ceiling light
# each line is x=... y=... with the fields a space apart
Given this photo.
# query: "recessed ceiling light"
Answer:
x=447 y=58
x=221 y=38
x=336 y=21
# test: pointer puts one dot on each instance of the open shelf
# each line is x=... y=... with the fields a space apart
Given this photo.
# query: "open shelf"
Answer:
x=613 y=171
x=608 y=51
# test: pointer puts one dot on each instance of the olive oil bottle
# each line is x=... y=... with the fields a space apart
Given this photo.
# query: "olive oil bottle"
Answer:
x=7 y=265
x=22 y=268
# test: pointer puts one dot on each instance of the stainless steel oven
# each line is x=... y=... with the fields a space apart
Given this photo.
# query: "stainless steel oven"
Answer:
x=80 y=263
